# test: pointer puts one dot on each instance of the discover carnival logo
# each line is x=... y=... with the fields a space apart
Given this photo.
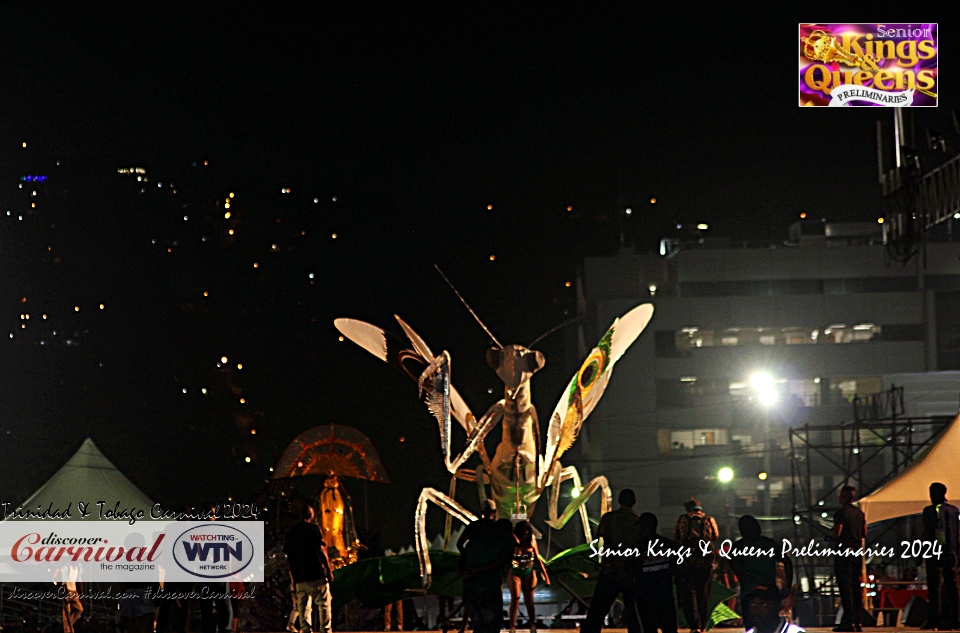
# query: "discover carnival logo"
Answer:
x=213 y=550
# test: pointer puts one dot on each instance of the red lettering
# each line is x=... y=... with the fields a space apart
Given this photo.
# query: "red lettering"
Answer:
x=136 y=553
x=27 y=551
x=153 y=550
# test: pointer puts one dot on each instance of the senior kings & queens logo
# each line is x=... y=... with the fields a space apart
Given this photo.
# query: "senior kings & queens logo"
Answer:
x=868 y=64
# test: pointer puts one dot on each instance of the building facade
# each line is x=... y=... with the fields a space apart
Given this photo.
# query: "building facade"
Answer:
x=748 y=342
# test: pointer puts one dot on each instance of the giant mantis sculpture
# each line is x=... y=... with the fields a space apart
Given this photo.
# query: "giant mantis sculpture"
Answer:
x=518 y=474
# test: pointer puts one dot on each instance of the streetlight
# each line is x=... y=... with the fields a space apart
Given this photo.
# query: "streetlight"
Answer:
x=765 y=390
x=725 y=476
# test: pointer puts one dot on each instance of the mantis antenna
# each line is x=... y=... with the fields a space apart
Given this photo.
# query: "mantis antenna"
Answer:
x=558 y=327
x=467 y=306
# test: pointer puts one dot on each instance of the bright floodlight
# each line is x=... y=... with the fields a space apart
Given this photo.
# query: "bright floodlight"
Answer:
x=725 y=475
x=765 y=388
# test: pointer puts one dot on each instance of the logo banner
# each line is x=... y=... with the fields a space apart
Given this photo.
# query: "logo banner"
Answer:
x=151 y=551
x=869 y=64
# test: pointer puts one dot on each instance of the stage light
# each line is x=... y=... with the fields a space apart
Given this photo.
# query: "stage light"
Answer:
x=725 y=475
x=764 y=387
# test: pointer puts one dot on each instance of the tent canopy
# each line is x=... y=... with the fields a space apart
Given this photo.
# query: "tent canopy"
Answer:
x=88 y=477
x=909 y=492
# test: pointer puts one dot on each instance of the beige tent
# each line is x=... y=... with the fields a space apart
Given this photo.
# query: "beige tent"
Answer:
x=909 y=492
x=88 y=477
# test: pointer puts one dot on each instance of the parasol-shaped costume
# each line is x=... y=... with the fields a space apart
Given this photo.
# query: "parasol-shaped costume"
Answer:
x=333 y=452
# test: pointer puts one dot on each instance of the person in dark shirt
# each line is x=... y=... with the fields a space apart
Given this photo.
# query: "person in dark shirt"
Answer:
x=488 y=516
x=940 y=526
x=754 y=566
x=310 y=572
x=618 y=529
x=849 y=530
x=654 y=572
x=485 y=554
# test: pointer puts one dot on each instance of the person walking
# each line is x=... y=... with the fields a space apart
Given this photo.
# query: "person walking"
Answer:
x=758 y=570
x=522 y=576
x=486 y=552
x=488 y=516
x=940 y=526
x=618 y=529
x=655 y=572
x=849 y=530
x=310 y=572
x=698 y=531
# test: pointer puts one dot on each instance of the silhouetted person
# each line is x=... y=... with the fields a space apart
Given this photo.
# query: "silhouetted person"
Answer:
x=654 y=572
x=940 y=526
x=486 y=552
x=764 y=604
x=758 y=571
x=619 y=530
x=488 y=516
x=849 y=530
x=696 y=572
x=136 y=606
x=174 y=611
x=310 y=572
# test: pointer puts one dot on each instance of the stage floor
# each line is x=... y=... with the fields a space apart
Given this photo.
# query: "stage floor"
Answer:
x=871 y=629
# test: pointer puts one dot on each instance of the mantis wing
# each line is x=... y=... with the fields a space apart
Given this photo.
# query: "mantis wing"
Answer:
x=588 y=384
x=393 y=350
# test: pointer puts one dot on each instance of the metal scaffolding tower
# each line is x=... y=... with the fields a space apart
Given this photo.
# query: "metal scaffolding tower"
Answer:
x=866 y=452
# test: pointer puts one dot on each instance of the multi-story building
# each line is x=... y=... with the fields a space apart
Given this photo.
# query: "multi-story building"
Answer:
x=747 y=342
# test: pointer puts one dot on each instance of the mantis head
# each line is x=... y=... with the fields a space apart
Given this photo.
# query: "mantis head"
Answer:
x=515 y=364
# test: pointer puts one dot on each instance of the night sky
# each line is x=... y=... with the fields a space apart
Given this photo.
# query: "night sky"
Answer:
x=417 y=136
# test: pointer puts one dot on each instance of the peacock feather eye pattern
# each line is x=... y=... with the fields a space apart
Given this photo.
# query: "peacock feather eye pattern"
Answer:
x=596 y=364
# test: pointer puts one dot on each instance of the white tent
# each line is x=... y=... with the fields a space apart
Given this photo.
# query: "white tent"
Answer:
x=88 y=477
x=909 y=492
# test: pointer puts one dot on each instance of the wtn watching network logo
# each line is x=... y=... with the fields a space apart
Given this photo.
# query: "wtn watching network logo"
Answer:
x=213 y=550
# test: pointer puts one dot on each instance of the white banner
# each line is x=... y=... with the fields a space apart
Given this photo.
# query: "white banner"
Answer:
x=115 y=551
x=843 y=96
